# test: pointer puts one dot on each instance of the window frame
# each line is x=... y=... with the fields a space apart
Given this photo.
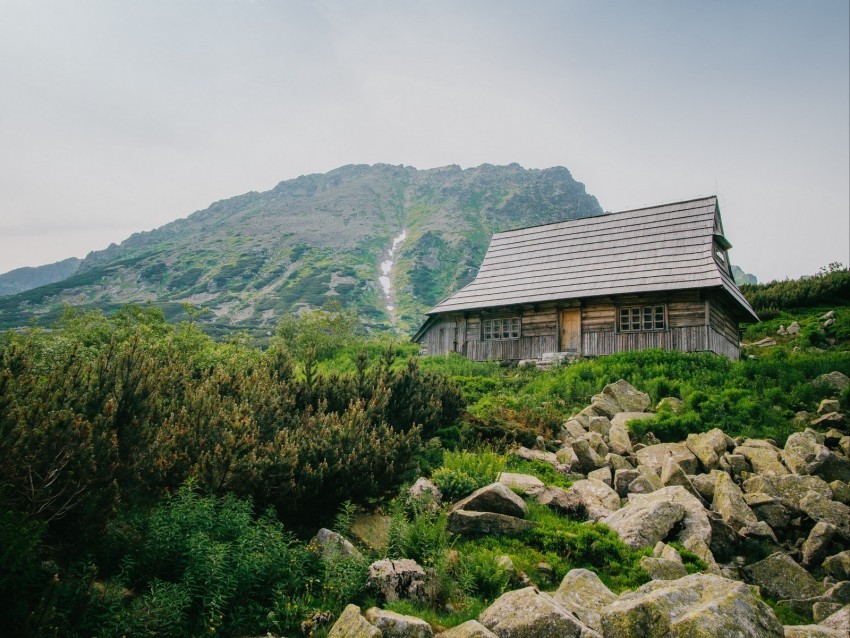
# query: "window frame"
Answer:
x=501 y=328
x=639 y=316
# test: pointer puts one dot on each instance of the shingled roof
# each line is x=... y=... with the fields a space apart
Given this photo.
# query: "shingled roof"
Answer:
x=669 y=247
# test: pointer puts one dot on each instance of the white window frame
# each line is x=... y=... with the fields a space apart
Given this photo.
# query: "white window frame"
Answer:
x=501 y=329
x=650 y=318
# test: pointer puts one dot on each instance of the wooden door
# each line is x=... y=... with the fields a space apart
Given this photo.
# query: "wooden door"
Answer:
x=571 y=330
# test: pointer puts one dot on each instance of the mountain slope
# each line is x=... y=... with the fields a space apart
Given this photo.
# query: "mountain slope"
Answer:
x=27 y=278
x=249 y=259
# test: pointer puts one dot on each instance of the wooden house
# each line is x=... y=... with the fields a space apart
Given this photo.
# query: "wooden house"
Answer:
x=654 y=277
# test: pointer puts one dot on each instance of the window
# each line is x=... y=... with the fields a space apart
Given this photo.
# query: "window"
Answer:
x=500 y=329
x=637 y=318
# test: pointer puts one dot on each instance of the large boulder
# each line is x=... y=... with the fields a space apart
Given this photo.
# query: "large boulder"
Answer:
x=393 y=625
x=584 y=594
x=768 y=509
x=397 y=579
x=619 y=441
x=605 y=405
x=597 y=498
x=819 y=508
x=780 y=577
x=663 y=568
x=653 y=456
x=351 y=624
x=838 y=620
x=672 y=474
x=525 y=483
x=424 y=489
x=816 y=545
x=708 y=447
x=813 y=631
x=838 y=566
x=485 y=523
x=629 y=398
x=763 y=457
x=805 y=453
x=469 y=629
x=835 y=379
x=644 y=520
x=332 y=545
x=729 y=503
x=496 y=498
x=563 y=501
x=527 y=613
x=789 y=489
x=696 y=606
x=588 y=458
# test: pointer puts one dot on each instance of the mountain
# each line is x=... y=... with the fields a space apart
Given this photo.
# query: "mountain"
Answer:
x=27 y=278
x=742 y=277
x=249 y=259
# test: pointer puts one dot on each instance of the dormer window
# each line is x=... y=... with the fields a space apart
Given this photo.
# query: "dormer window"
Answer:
x=721 y=246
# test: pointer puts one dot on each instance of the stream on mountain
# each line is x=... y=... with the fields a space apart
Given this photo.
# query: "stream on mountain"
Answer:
x=386 y=273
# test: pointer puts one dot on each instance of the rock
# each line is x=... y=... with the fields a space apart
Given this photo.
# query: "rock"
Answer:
x=605 y=405
x=839 y=620
x=838 y=566
x=828 y=405
x=596 y=497
x=351 y=624
x=793 y=329
x=668 y=552
x=708 y=447
x=619 y=441
x=567 y=457
x=735 y=464
x=835 y=379
x=602 y=474
x=393 y=625
x=672 y=474
x=822 y=610
x=767 y=342
x=582 y=593
x=332 y=545
x=588 y=459
x=645 y=520
x=816 y=545
x=820 y=508
x=526 y=483
x=617 y=462
x=653 y=456
x=672 y=404
x=627 y=396
x=600 y=424
x=562 y=501
x=646 y=482
x=622 y=480
x=768 y=509
x=827 y=315
x=469 y=629
x=423 y=488
x=724 y=538
x=397 y=579
x=663 y=569
x=765 y=459
x=805 y=454
x=789 y=489
x=621 y=419
x=780 y=577
x=495 y=498
x=829 y=420
x=761 y=530
x=536 y=455
x=527 y=613
x=574 y=429
x=729 y=503
x=813 y=631
x=704 y=484
x=483 y=523
x=781 y=331
x=696 y=606
x=540 y=443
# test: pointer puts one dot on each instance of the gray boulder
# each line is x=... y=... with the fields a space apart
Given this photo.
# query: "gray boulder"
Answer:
x=789 y=489
x=496 y=498
x=469 y=629
x=839 y=620
x=708 y=447
x=696 y=606
x=423 y=488
x=662 y=568
x=528 y=613
x=820 y=508
x=622 y=418
x=672 y=474
x=397 y=579
x=729 y=503
x=585 y=595
x=485 y=523
x=351 y=624
x=393 y=625
x=835 y=379
x=629 y=398
x=768 y=509
x=619 y=441
x=525 y=483
x=653 y=456
x=816 y=545
x=588 y=458
x=813 y=631
x=765 y=458
x=604 y=405
x=597 y=498
x=644 y=521
x=838 y=566
x=332 y=545
x=780 y=577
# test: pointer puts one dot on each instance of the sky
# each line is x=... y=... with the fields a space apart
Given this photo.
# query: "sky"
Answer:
x=118 y=117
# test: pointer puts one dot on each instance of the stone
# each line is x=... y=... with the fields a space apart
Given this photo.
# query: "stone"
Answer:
x=768 y=509
x=602 y=474
x=668 y=552
x=653 y=456
x=759 y=530
x=495 y=498
x=622 y=480
x=793 y=329
x=708 y=447
x=540 y=443
x=816 y=545
x=724 y=539
x=729 y=503
x=813 y=631
x=672 y=404
x=704 y=484
x=838 y=566
x=485 y=523
x=621 y=419
x=567 y=457
x=526 y=483
x=397 y=579
x=764 y=459
x=469 y=629
x=735 y=464
x=616 y=462
x=536 y=455
x=828 y=405
x=672 y=474
x=629 y=398
x=600 y=424
x=394 y=625
x=423 y=488
x=597 y=498
x=696 y=606
x=662 y=569
x=830 y=420
x=805 y=454
x=822 y=610
x=588 y=459
x=780 y=577
x=644 y=520
x=351 y=624
x=839 y=620
x=574 y=429
x=605 y=405
x=619 y=441
x=789 y=489
x=597 y=443
x=527 y=613
x=332 y=545
x=646 y=482
x=562 y=501
x=835 y=380
x=585 y=595
x=820 y=508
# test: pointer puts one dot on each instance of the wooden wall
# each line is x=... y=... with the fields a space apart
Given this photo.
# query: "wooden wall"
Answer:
x=696 y=322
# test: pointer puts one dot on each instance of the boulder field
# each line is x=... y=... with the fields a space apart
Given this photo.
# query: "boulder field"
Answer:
x=768 y=522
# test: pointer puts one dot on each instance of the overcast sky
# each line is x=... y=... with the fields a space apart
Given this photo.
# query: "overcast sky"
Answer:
x=117 y=117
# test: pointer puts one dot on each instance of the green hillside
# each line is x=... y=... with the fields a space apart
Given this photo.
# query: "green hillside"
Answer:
x=248 y=260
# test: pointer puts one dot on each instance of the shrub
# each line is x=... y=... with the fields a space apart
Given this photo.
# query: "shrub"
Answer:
x=464 y=471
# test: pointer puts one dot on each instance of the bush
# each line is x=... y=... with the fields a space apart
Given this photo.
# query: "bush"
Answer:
x=464 y=472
